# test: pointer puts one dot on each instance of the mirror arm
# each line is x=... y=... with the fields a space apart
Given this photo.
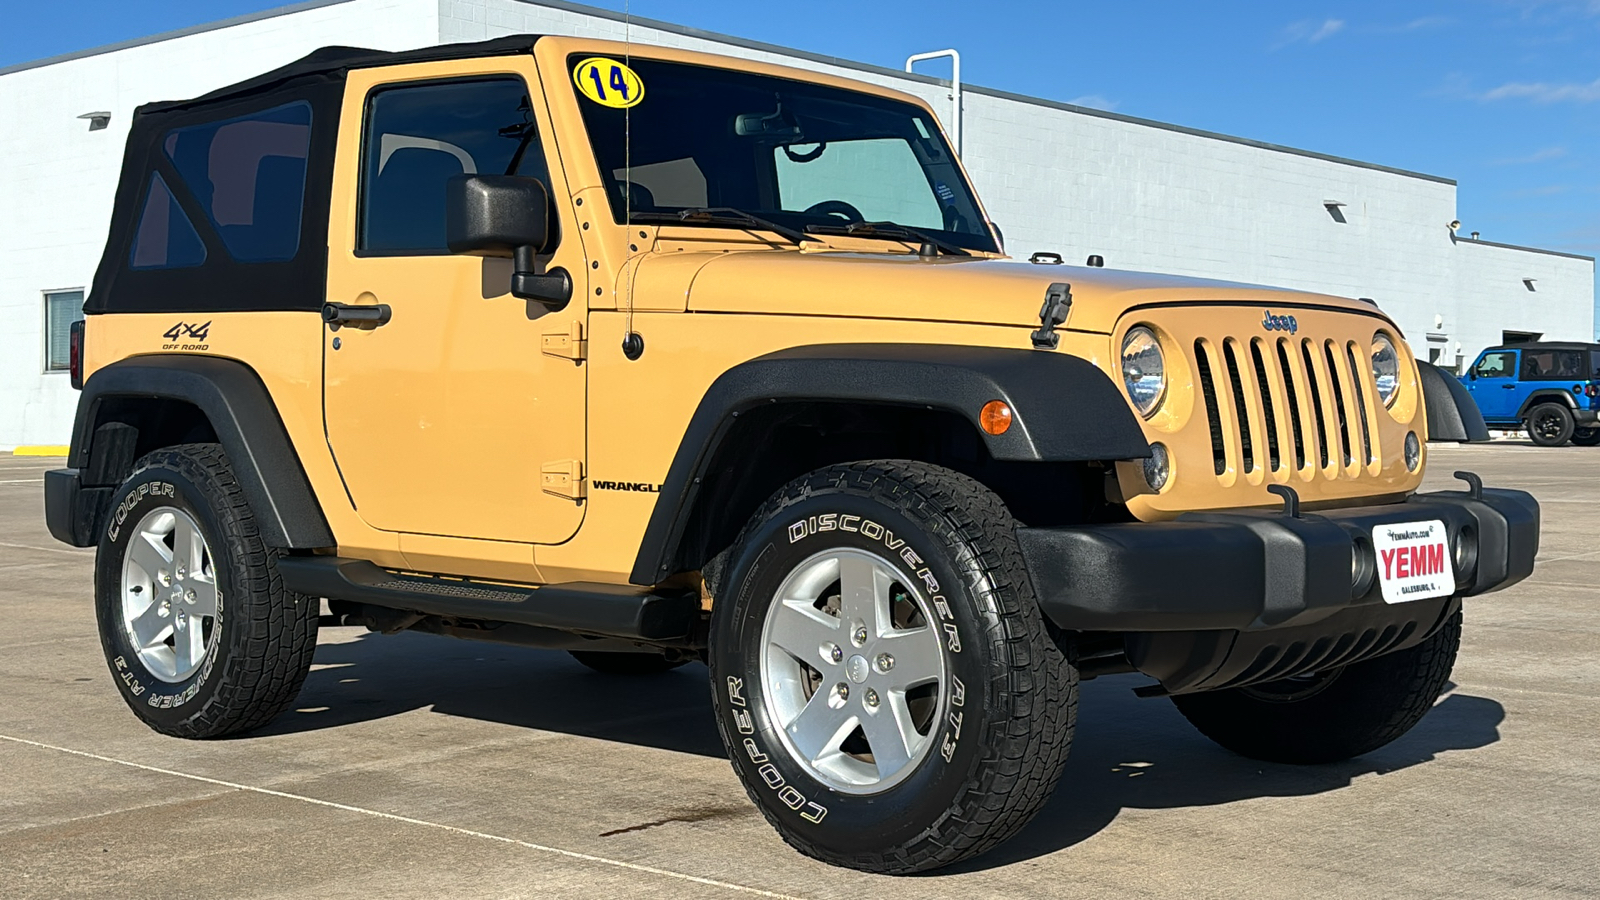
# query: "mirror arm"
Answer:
x=552 y=289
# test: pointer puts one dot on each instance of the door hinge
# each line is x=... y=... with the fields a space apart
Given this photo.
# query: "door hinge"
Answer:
x=568 y=344
x=563 y=478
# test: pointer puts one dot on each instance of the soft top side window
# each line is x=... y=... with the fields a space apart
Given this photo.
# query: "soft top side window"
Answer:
x=418 y=136
x=1500 y=364
x=249 y=175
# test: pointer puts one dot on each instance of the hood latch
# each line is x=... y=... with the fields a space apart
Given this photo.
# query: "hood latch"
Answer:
x=1057 y=303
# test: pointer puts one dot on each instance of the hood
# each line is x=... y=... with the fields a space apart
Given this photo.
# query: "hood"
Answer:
x=943 y=289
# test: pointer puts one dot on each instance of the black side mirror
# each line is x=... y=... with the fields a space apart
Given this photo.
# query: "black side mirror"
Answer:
x=506 y=215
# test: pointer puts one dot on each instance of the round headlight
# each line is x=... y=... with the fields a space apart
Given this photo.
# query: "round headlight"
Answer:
x=1385 y=368
x=1143 y=370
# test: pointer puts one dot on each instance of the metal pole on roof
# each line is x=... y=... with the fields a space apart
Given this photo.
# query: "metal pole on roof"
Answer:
x=955 y=85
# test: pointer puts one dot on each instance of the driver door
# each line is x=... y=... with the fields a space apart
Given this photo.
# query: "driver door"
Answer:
x=450 y=418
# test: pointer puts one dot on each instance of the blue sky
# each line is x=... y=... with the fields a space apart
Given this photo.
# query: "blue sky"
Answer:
x=1502 y=95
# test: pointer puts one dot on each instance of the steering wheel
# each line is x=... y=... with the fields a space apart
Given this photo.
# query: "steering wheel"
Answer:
x=836 y=208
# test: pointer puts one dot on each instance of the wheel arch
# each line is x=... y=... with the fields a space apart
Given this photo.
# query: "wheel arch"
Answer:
x=143 y=403
x=1546 y=395
x=771 y=419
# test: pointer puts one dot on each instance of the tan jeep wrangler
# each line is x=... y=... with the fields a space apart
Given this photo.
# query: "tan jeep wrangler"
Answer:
x=657 y=357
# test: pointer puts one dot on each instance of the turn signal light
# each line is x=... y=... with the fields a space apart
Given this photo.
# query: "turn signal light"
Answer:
x=75 y=354
x=995 y=417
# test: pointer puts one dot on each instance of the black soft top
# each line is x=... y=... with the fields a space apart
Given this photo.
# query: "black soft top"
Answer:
x=221 y=283
x=1546 y=345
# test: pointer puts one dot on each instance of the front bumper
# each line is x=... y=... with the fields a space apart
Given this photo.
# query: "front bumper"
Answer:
x=1226 y=598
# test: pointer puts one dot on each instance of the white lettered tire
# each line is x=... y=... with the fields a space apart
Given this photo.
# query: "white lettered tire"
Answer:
x=200 y=635
x=884 y=682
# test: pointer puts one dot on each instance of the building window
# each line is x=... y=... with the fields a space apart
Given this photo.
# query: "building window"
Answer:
x=61 y=309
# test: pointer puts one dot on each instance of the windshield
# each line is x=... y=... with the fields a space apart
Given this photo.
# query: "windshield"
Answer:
x=801 y=155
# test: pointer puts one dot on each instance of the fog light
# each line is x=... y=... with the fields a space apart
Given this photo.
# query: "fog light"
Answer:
x=1363 y=567
x=1464 y=551
x=1158 y=467
x=1413 y=451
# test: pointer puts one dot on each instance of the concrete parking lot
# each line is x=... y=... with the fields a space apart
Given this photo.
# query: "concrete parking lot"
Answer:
x=421 y=766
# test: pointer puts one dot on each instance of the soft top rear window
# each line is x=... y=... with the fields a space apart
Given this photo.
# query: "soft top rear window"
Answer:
x=249 y=175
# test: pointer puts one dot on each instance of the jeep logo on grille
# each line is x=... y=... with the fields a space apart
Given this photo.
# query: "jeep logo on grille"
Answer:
x=1279 y=323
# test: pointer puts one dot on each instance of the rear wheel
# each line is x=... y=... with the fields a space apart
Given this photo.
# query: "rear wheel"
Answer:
x=1586 y=437
x=201 y=636
x=1550 y=424
x=884 y=681
x=1329 y=716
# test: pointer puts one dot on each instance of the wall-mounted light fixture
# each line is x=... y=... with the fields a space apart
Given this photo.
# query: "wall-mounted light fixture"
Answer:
x=1530 y=283
x=97 y=120
x=1335 y=209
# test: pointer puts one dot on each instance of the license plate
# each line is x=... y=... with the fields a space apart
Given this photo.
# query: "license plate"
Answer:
x=1414 y=561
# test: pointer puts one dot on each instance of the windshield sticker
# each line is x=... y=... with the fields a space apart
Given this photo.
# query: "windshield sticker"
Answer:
x=608 y=82
x=944 y=192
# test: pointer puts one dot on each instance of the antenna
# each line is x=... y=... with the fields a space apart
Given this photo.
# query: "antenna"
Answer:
x=632 y=342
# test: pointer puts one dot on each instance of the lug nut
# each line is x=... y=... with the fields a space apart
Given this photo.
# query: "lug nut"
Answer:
x=833 y=652
x=182 y=571
x=189 y=595
x=871 y=698
x=164 y=577
x=861 y=635
x=843 y=691
x=885 y=662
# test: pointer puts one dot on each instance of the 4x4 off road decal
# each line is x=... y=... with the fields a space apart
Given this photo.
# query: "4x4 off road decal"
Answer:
x=809 y=810
x=195 y=334
x=608 y=82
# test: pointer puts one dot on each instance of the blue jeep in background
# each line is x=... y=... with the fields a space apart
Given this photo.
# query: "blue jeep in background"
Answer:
x=1552 y=389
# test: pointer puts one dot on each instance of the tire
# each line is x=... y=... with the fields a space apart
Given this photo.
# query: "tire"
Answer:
x=969 y=756
x=626 y=663
x=1586 y=437
x=250 y=641
x=1330 y=716
x=1550 y=424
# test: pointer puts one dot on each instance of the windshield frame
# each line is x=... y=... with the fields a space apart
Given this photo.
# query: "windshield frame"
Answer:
x=979 y=238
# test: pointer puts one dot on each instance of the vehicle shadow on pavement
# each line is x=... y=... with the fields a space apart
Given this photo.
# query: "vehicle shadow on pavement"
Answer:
x=1132 y=753
x=1128 y=753
x=376 y=676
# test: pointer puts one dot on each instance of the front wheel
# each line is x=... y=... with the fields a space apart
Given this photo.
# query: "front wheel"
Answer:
x=1329 y=716
x=1550 y=424
x=884 y=681
x=1586 y=437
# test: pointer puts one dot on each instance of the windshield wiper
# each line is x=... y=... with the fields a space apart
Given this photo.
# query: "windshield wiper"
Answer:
x=723 y=215
x=893 y=231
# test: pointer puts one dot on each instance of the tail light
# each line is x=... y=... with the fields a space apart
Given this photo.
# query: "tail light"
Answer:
x=1593 y=390
x=75 y=353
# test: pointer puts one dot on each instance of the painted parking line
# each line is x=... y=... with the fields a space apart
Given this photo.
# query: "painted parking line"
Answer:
x=541 y=848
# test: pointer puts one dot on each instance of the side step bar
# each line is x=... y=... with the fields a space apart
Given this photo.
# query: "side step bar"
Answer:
x=602 y=609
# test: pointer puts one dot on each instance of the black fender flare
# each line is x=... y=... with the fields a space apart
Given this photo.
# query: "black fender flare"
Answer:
x=1452 y=413
x=1064 y=409
x=245 y=419
x=1546 y=395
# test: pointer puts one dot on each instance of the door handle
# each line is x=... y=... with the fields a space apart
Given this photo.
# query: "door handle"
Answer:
x=1508 y=387
x=361 y=318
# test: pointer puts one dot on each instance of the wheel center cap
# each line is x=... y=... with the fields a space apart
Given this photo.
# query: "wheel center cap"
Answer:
x=857 y=669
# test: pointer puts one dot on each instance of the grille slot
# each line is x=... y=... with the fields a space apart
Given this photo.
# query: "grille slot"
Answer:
x=1268 y=405
x=1360 y=392
x=1240 y=410
x=1294 y=403
x=1208 y=388
x=1316 y=402
x=1338 y=404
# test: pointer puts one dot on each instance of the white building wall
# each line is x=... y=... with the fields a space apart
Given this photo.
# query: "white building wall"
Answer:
x=1144 y=195
x=57 y=178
